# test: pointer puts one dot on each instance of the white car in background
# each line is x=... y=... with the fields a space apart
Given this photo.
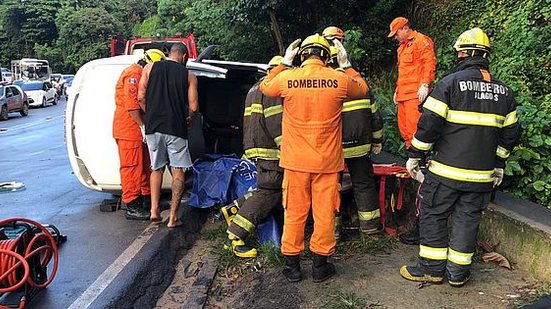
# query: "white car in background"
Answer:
x=40 y=93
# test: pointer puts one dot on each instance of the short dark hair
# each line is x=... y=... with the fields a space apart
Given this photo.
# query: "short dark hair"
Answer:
x=179 y=48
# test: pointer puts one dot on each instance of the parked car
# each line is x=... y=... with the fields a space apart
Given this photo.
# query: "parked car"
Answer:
x=59 y=83
x=12 y=99
x=68 y=78
x=40 y=93
x=6 y=75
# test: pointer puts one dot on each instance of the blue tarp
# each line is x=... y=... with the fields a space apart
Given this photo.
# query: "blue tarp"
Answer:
x=220 y=179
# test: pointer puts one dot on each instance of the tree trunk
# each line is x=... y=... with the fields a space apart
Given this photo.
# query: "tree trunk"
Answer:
x=277 y=32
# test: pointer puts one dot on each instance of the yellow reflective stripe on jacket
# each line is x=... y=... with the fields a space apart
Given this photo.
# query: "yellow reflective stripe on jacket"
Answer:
x=420 y=145
x=265 y=153
x=277 y=140
x=436 y=106
x=357 y=151
x=510 y=119
x=243 y=223
x=377 y=134
x=273 y=110
x=472 y=118
x=254 y=108
x=374 y=107
x=459 y=258
x=439 y=254
x=247 y=195
x=355 y=105
x=369 y=215
x=502 y=152
x=460 y=173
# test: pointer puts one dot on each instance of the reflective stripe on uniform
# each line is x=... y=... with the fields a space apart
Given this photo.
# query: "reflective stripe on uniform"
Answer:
x=472 y=118
x=357 y=151
x=277 y=140
x=436 y=106
x=243 y=223
x=355 y=105
x=459 y=258
x=254 y=108
x=502 y=152
x=369 y=215
x=510 y=119
x=377 y=134
x=247 y=195
x=439 y=254
x=273 y=110
x=420 y=145
x=374 y=108
x=460 y=173
x=265 y=153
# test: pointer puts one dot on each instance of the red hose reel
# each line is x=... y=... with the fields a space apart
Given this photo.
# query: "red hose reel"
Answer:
x=26 y=250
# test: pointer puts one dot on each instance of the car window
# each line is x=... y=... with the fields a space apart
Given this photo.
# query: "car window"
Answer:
x=8 y=92
x=15 y=91
x=1 y=91
x=31 y=86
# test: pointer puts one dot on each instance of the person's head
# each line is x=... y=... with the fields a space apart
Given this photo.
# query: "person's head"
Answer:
x=473 y=42
x=314 y=46
x=150 y=56
x=179 y=52
x=400 y=29
x=333 y=60
x=330 y=33
x=274 y=62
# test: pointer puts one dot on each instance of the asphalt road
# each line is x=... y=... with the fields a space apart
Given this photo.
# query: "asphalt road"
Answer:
x=32 y=151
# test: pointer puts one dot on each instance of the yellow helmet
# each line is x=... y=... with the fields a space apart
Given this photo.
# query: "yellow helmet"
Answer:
x=153 y=55
x=474 y=39
x=275 y=61
x=315 y=41
x=333 y=32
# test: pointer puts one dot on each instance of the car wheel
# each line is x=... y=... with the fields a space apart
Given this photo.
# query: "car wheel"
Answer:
x=43 y=102
x=25 y=109
x=4 y=113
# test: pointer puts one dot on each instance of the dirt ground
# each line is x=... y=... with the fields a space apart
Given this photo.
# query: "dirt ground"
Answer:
x=367 y=277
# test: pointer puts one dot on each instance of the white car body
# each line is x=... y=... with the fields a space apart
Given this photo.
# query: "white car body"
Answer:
x=92 y=151
x=37 y=97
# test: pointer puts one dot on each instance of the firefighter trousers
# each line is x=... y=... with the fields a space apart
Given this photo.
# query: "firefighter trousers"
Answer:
x=408 y=116
x=257 y=205
x=300 y=191
x=439 y=251
x=365 y=192
x=135 y=169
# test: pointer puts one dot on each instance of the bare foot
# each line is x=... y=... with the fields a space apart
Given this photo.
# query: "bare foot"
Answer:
x=174 y=225
x=156 y=219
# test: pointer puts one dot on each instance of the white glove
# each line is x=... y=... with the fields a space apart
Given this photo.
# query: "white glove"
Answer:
x=498 y=176
x=394 y=98
x=142 y=129
x=412 y=166
x=342 y=56
x=376 y=148
x=423 y=92
x=290 y=53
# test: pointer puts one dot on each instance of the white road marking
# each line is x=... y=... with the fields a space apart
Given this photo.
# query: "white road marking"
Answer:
x=32 y=124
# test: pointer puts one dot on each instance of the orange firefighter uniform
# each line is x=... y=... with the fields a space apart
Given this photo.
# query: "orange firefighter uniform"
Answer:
x=311 y=147
x=133 y=153
x=416 y=66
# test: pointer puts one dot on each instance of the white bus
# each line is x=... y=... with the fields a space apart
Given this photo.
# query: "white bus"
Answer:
x=31 y=69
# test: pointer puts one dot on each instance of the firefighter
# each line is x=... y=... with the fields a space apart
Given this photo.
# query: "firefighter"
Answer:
x=362 y=129
x=335 y=33
x=129 y=133
x=311 y=147
x=470 y=121
x=416 y=67
x=261 y=132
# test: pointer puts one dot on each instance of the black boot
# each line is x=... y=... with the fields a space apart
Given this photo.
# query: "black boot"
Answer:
x=458 y=281
x=411 y=238
x=146 y=202
x=135 y=211
x=291 y=271
x=321 y=269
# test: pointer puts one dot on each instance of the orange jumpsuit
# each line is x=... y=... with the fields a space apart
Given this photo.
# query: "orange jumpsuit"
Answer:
x=133 y=153
x=311 y=147
x=416 y=65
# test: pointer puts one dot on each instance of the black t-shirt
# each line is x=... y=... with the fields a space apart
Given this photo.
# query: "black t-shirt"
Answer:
x=167 y=105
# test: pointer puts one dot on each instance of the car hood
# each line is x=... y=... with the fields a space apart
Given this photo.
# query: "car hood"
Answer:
x=35 y=93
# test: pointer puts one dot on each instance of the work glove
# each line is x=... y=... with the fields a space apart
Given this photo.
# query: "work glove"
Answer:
x=423 y=92
x=342 y=56
x=498 y=176
x=142 y=130
x=376 y=148
x=290 y=53
x=394 y=98
x=412 y=166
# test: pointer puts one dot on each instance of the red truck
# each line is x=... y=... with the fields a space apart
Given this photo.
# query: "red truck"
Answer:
x=121 y=46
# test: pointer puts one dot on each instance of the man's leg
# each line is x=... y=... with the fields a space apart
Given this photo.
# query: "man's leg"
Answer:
x=145 y=168
x=130 y=171
x=156 y=180
x=179 y=159
x=177 y=193
x=159 y=159
x=412 y=115
x=365 y=193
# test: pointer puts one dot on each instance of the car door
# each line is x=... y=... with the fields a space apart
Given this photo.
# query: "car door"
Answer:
x=9 y=98
x=48 y=89
x=17 y=98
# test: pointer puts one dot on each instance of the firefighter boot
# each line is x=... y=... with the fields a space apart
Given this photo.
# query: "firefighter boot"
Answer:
x=238 y=247
x=291 y=271
x=146 y=202
x=135 y=211
x=229 y=212
x=458 y=281
x=411 y=238
x=321 y=269
x=416 y=273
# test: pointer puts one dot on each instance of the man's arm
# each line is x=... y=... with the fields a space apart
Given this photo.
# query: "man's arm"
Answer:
x=142 y=88
x=131 y=104
x=192 y=95
x=356 y=86
x=509 y=134
x=428 y=61
x=270 y=85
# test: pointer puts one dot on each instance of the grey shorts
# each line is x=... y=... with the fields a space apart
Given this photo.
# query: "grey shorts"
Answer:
x=169 y=150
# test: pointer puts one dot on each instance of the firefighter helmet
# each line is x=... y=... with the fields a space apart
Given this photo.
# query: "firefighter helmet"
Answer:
x=153 y=55
x=473 y=39
x=313 y=43
x=333 y=32
x=275 y=61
